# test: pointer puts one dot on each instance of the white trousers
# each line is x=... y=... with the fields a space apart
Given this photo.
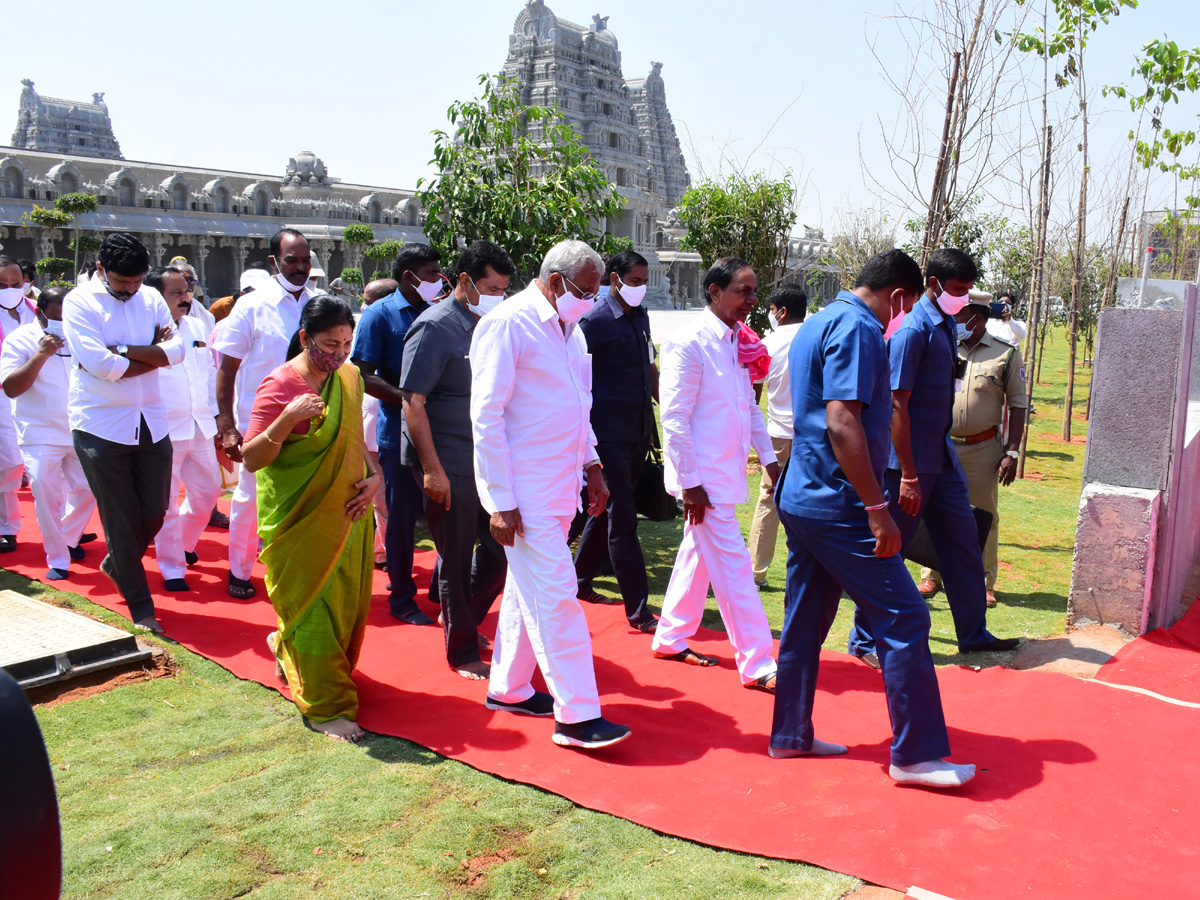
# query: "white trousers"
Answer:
x=10 y=504
x=715 y=552
x=62 y=499
x=194 y=464
x=542 y=624
x=243 y=526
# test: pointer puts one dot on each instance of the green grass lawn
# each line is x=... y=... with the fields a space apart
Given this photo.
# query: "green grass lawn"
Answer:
x=203 y=786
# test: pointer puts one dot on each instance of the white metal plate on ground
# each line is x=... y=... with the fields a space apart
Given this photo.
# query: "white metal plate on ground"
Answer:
x=41 y=644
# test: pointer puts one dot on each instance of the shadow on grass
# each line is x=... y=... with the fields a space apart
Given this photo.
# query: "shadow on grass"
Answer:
x=1051 y=454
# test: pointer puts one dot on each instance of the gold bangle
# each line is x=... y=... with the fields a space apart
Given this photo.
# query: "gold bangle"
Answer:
x=270 y=440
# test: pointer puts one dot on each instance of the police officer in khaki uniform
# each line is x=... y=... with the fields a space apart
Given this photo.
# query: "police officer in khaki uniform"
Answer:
x=994 y=382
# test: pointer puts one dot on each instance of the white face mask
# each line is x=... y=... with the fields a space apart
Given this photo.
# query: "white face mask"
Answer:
x=951 y=305
x=632 y=295
x=55 y=327
x=570 y=307
x=772 y=321
x=288 y=286
x=961 y=331
x=487 y=302
x=10 y=298
x=25 y=288
x=429 y=290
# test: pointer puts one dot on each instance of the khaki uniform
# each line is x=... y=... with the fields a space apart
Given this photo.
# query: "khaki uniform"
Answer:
x=994 y=382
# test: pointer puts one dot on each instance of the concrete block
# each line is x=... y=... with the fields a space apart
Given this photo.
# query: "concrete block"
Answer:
x=1114 y=556
x=1134 y=396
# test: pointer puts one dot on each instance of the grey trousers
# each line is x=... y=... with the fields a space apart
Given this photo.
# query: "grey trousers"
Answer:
x=132 y=486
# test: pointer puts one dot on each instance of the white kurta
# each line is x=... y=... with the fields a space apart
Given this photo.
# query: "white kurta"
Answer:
x=62 y=500
x=530 y=411
x=710 y=421
x=191 y=385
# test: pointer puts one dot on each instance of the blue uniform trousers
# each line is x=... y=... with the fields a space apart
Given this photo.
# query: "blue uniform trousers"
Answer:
x=947 y=512
x=824 y=558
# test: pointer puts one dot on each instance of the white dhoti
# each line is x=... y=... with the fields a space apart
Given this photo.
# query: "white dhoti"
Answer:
x=542 y=624
x=715 y=552
x=194 y=465
x=62 y=500
x=243 y=526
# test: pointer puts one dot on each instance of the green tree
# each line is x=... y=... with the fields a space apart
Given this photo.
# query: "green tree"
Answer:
x=356 y=236
x=384 y=252
x=750 y=216
x=1077 y=21
x=516 y=175
x=74 y=205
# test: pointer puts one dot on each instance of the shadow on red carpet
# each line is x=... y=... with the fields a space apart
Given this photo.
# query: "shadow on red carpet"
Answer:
x=1083 y=792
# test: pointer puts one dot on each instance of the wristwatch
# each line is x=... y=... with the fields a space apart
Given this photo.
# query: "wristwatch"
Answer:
x=1013 y=453
x=122 y=349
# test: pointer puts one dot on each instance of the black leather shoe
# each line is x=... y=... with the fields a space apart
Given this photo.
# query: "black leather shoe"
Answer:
x=77 y=552
x=870 y=659
x=87 y=537
x=590 y=735
x=995 y=645
x=413 y=617
x=8 y=543
x=540 y=704
x=191 y=557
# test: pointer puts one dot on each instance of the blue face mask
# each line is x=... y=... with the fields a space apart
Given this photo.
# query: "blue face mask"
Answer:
x=962 y=332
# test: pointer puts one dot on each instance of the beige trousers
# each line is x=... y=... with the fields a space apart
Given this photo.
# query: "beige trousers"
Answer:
x=979 y=463
x=764 y=529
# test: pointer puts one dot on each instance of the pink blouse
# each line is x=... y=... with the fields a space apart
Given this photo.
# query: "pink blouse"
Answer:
x=278 y=389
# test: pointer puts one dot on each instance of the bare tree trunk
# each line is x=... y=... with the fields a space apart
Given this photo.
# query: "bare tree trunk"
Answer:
x=1033 y=361
x=934 y=221
x=1077 y=273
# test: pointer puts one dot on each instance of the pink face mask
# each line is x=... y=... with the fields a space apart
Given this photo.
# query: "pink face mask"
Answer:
x=951 y=305
x=325 y=362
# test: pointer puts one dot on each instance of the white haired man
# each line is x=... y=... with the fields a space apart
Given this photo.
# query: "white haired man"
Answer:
x=531 y=402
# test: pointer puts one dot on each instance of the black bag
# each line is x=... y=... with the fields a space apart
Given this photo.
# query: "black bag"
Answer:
x=922 y=551
x=650 y=497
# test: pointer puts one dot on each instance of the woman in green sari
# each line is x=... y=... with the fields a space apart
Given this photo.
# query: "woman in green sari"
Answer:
x=315 y=486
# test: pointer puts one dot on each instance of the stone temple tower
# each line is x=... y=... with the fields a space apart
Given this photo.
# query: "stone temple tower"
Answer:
x=64 y=126
x=625 y=124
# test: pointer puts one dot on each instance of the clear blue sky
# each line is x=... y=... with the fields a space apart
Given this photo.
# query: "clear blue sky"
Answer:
x=246 y=85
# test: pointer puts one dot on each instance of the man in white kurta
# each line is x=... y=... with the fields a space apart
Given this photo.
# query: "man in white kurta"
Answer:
x=35 y=370
x=191 y=391
x=710 y=421
x=15 y=311
x=531 y=403
x=253 y=340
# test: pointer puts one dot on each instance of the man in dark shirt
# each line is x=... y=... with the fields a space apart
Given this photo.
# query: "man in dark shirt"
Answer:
x=379 y=354
x=624 y=384
x=437 y=443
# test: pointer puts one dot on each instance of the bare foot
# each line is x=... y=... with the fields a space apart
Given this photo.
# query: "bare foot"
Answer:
x=819 y=748
x=339 y=729
x=272 y=640
x=484 y=643
x=476 y=671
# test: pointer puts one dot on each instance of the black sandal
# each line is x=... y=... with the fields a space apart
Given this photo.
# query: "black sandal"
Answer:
x=760 y=683
x=689 y=656
x=591 y=596
x=646 y=626
x=241 y=588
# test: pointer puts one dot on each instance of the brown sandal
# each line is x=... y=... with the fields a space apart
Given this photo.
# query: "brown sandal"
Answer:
x=689 y=656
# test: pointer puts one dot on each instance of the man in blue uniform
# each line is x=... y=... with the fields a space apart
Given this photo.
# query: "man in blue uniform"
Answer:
x=840 y=535
x=379 y=354
x=924 y=478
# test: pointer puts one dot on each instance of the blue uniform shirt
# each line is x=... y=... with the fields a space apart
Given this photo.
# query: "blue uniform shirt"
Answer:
x=837 y=355
x=922 y=355
x=379 y=341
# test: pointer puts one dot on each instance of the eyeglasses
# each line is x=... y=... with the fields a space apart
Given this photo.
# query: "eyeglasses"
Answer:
x=582 y=294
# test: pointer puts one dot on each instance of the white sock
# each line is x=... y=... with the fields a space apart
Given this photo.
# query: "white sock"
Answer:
x=819 y=748
x=933 y=773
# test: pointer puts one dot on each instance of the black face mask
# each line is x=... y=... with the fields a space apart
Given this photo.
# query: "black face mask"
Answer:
x=115 y=294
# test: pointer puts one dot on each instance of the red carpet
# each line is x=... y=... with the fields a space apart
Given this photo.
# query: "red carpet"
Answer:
x=1166 y=661
x=1084 y=791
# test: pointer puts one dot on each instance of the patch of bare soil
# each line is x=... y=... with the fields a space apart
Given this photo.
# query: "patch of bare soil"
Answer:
x=1079 y=652
x=161 y=665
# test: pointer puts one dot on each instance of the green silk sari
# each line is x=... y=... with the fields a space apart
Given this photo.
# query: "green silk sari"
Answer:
x=319 y=562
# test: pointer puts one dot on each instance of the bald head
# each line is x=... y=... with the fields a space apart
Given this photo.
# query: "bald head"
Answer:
x=378 y=289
